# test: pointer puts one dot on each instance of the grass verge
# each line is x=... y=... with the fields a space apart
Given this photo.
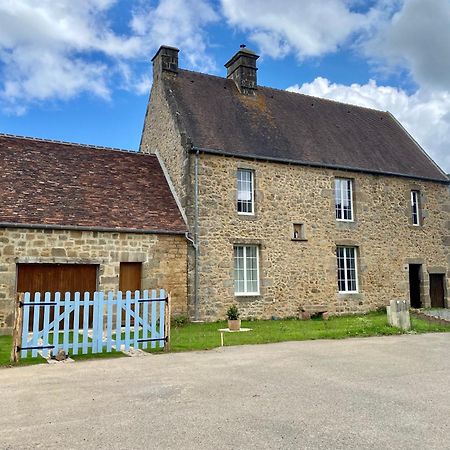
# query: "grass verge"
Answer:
x=204 y=336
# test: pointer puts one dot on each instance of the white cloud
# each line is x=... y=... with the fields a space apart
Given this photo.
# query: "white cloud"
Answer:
x=306 y=28
x=416 y=37
x=425 y=114
x=179 y=23
x=57 y=50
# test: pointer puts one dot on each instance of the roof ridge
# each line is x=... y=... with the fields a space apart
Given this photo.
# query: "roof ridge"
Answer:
x=72 y=144
x=292 y=92
x=204 y=74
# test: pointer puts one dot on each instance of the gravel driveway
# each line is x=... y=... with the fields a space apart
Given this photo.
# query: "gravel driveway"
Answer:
x=386 y=392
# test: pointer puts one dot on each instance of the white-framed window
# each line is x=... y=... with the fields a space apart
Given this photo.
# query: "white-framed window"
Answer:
x=245 y=192
x=343 y=195
x=347 y=270
x=246 y=270
x=415 y=208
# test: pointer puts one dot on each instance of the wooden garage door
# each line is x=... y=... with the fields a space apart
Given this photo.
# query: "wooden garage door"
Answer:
x=57 y=278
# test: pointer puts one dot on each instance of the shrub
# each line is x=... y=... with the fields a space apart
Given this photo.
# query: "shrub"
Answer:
x=179 y=321
x=233 y=313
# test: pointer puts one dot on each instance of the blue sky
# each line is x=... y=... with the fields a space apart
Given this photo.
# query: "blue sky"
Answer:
x=80 y=71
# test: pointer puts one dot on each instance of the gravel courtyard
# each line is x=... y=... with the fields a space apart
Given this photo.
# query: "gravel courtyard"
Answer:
x=383 y=392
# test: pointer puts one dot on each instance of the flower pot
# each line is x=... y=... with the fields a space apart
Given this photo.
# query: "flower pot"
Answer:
x=234 y=325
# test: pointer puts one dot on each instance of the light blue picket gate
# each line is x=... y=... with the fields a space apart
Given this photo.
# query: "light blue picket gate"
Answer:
x=94 y=323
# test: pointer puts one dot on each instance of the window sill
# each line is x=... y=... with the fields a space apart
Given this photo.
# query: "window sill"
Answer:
x=299 y=239
x=246 y=216
x=247 y=294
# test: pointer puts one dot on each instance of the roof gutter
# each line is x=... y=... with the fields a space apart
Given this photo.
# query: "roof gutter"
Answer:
x=44 y=226
x=313 y=164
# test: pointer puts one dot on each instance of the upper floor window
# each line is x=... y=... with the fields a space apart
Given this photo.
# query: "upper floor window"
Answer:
x=245 y=195
x=343 y=194
x=415 y=208
x=347 y=270
x=246 y=270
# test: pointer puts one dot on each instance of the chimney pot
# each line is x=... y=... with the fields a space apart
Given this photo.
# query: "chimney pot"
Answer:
x=241 y=68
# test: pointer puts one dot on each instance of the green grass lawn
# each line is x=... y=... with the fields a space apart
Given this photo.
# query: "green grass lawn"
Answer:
x=203 y=336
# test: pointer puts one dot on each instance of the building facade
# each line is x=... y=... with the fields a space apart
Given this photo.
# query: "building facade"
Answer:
x=295 y=202
x=78 y=218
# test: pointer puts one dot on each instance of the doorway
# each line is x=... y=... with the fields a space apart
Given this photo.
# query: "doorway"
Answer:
x=437 y=292
x=53 y=278
x=414 y=285
x=130 y=280
x=130 y=276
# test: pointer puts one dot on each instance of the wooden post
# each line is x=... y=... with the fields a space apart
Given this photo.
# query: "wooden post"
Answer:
x=167 y=324
x=17 y=330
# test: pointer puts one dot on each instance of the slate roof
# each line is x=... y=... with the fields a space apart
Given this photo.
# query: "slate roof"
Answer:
x=287 y=126
x=61 y=184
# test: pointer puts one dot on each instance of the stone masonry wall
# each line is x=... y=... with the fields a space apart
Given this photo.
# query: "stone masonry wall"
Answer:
x=162 y=135
x=163 y=259
x=303 y=273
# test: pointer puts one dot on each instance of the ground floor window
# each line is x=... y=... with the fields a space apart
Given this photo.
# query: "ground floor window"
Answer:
x=347 y=269
x=246 y=270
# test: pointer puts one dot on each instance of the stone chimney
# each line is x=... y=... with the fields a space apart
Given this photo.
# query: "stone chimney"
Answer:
x=165 y=60
x=242 y=69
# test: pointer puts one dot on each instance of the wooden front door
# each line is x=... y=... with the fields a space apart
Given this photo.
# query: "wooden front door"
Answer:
x=130 y=279
x=437 y=290
x=130 y=276
x=56 y=278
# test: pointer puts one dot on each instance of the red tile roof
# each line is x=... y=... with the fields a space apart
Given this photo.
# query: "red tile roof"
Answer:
x=62 y=184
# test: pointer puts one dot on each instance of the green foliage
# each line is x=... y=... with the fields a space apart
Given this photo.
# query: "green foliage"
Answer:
x=179 y=321
x=202 y=336
x=233 y=313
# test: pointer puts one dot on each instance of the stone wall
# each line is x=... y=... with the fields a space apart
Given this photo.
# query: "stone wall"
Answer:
x=163 y=136
x=303 y=273
x=163 y=259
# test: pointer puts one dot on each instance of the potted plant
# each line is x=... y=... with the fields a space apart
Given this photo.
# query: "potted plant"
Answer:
x=234 y=323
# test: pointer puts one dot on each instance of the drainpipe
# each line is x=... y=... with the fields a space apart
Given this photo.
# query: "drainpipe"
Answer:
x=196 y=239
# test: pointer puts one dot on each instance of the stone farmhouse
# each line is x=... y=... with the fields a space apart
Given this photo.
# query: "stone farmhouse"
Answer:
x=295 y=202
x=241 y=194
x=79 y=218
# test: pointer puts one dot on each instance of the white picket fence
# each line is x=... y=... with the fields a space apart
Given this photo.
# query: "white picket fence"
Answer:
x=84 y=323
